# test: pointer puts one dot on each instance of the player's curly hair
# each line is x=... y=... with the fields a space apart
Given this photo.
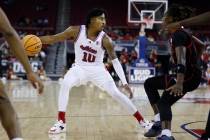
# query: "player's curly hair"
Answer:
x=94 y=13
x=179 y=12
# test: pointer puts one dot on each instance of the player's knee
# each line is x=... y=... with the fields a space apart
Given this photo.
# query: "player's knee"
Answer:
x=147 y=84
x=162 y=104
x=66 y=83
x=3 y=97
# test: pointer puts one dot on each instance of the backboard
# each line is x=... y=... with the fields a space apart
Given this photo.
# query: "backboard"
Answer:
x=139 y=10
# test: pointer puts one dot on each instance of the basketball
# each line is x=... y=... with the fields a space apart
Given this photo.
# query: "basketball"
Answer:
x=32 y=44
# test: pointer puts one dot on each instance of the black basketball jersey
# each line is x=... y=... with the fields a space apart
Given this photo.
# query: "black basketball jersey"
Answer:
x=182 y=38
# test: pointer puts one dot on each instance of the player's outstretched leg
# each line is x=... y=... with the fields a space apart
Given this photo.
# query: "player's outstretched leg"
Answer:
x=112 y=90
x=8 y=116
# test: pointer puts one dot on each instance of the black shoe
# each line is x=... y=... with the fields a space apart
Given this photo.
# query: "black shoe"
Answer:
x=154 y=131
x=204 y=137
x=164 y=137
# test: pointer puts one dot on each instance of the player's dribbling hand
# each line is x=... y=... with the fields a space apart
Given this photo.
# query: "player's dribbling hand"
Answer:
x=35 y=81
x=128 y=90
x=176 y=90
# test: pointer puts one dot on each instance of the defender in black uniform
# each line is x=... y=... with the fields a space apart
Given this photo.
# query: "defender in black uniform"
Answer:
x=187 y=78
x=202 y=19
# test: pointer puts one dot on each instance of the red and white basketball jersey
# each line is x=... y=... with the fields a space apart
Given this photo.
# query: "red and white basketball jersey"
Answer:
x=88 y=52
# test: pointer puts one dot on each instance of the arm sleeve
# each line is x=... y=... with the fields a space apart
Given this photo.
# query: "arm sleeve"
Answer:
x=119 y=70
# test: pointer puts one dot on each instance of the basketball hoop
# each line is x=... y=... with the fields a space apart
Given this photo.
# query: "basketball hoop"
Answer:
x=148 y=23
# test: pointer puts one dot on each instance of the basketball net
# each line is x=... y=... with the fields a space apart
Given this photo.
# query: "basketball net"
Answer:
x=148 y=23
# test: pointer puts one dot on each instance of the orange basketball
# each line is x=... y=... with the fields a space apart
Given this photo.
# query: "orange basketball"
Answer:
x=32 y=44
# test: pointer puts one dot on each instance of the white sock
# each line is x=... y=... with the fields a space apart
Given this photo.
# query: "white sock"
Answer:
x=157 y=117
x=142 y=123
x=17 y=139
x=166 y=132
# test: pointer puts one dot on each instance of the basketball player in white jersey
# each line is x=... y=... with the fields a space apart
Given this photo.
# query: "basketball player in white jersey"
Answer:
x=90 y=42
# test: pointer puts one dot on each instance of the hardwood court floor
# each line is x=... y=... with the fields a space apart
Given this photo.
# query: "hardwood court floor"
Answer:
x=94 y=115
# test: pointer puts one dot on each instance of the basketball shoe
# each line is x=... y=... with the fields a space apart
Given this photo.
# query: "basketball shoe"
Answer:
x=154 y=131
x=58 y=127
x=164 y=137
x=204 y=139
x=204 y=136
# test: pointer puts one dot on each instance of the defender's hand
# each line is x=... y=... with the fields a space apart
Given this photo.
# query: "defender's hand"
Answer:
x=35 y=81
x=176 y=90
x=128 y=90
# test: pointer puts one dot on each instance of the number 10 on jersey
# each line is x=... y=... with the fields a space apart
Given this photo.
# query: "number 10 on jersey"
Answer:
x=88 y=57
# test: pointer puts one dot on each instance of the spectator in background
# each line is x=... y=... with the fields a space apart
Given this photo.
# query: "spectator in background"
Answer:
x=133 y=57
x=42 y=57
x=45 y=22
x=153 y=58
x=42 y=73
x=203 y=66
x=127 y=37
x=124 y=60
x=208 y=73
x=112 y=34
x=41 y=7
x=150 y=38
x=10 y=74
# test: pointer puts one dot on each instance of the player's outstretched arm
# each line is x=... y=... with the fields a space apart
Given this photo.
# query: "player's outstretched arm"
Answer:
x=107 y=43
x=69 y=33
x=17 y=47
x=177 y=89
x=202 y=19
